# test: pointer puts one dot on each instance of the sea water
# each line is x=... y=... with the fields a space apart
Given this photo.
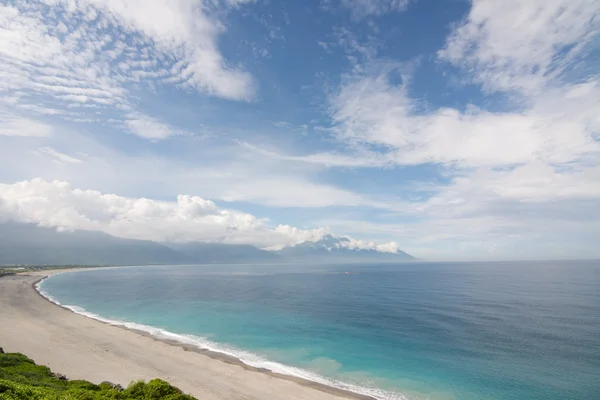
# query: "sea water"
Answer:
x=465 y=331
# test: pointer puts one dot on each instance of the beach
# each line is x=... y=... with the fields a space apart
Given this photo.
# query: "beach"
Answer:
x=82 y=348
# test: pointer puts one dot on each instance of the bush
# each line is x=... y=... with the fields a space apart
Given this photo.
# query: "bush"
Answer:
x=22 y=379
x=16 y=391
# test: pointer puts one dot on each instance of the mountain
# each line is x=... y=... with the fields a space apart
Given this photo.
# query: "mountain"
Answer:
x=30 y=244
x=221 y=253
x=331 y=249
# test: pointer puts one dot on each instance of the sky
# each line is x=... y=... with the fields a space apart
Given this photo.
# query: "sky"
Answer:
x=450 y=129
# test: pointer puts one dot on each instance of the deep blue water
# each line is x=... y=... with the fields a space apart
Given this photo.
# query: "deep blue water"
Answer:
x=511 y=331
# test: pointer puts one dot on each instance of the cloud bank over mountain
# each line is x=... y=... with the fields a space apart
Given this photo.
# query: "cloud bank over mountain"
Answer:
x=469 y=130
x=58 y=205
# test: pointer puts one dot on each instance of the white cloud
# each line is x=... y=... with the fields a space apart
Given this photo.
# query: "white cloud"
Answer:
x=328 y=159
x=522 y=45
x=149 y=128
x=513 y=178
x=506 y=175
x=211 y=167
x=181 y=29
x=560 y=127
x=190 y=218
x=59 y=57
x=352 y=244
x=17 y=126
x=526 y=174
x=364 y=8
x=545 y=150
x=35 y=59
x=279 y=190
x=58 y=156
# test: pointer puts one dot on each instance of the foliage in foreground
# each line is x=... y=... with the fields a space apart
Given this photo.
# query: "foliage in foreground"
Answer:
x=22 y=379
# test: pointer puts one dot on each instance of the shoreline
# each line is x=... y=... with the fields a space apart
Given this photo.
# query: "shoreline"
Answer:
x=215 y=355
x=318 y=389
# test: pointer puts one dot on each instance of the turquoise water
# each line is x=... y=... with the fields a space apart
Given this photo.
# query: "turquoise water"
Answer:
x=467 y=331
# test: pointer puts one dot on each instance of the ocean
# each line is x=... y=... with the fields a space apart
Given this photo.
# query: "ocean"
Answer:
x=438 y=331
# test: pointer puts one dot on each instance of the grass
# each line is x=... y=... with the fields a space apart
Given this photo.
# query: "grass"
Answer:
x=21 y=378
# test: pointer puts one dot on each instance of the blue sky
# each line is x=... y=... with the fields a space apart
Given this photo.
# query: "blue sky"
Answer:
x=448 y=129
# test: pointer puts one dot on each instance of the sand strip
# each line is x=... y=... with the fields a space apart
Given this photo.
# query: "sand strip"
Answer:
x=83 y=348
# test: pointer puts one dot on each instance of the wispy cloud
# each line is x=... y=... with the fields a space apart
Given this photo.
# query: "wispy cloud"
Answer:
x=522 y=46
x=363 y=8
x=58 y=156
x=149 y=128
x=66 y=58
x=559 y=127
x=18 y=126
x=227 y=171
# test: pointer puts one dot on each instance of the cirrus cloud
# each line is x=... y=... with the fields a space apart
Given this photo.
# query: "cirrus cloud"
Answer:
x=81 y=60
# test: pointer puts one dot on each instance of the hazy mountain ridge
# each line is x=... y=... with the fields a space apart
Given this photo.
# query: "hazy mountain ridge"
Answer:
x=30 y=244
x=221 y=253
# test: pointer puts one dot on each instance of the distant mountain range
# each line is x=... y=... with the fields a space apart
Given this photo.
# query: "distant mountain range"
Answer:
x=28 y=244
x=331 y=248
x=221 y=253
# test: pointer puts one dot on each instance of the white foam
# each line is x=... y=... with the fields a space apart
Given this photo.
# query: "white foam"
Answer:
x=246 y=357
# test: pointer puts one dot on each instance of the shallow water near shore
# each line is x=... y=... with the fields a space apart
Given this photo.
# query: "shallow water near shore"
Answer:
x=527 y=330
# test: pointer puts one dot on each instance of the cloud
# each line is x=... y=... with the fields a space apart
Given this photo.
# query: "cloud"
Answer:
x=560 y=127
x=509 y=178
x=58 y=156
x=212 y=167
x=188 y=219
x=18 y=126
x=148 y=128
x=527 y=171
x=183 y=30
x=327 y=159
x=82 y=59
x=522 y=46
x=363 y=8
x=526 y=46
x=74 y=77
x=391 y=247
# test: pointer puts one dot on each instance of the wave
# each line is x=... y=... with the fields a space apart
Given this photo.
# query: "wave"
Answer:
x=245 y=357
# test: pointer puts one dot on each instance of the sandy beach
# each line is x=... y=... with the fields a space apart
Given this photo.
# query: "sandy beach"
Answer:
x=83 y=348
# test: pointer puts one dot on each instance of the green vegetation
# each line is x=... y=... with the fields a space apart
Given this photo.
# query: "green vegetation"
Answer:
x=25 y=268
x=8 y=271
x=22 y=379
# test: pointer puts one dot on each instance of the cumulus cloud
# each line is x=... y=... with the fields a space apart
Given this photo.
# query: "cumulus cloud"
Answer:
x=188 y=219
x=391 y=247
